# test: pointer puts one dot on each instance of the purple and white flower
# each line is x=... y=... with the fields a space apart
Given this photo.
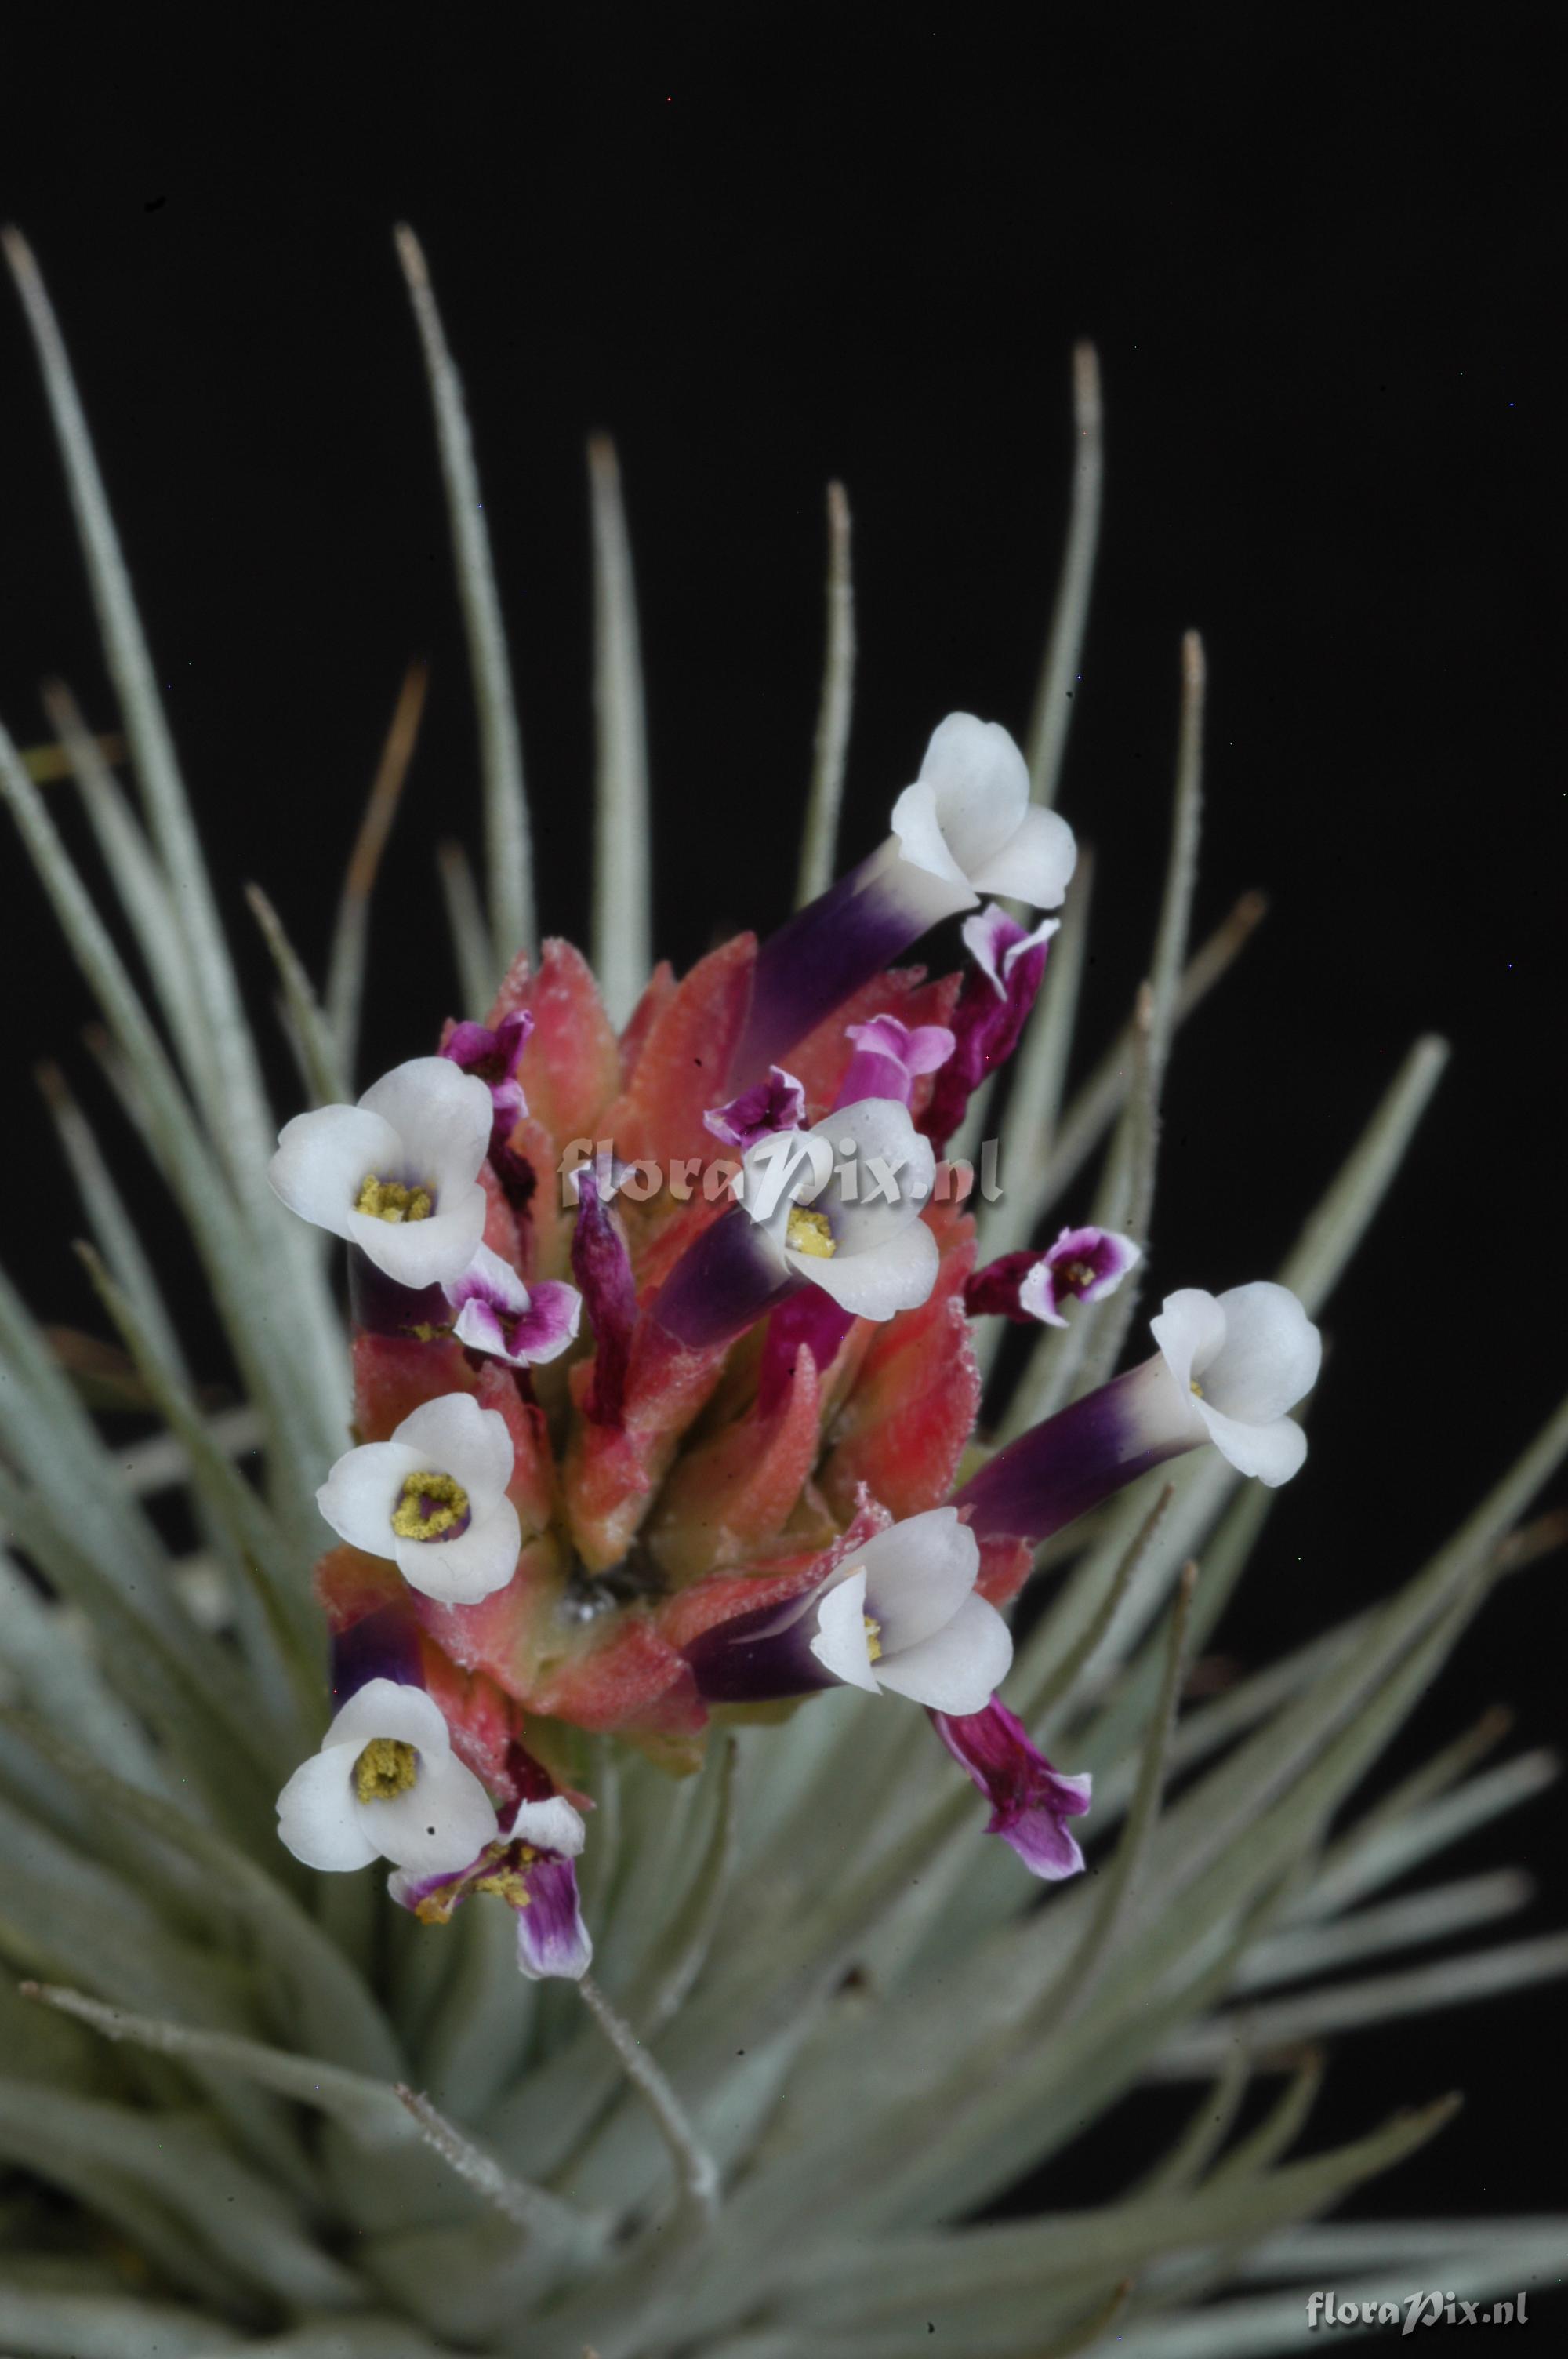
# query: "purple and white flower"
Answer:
x=494 y=1058
x=775 y=1103
x=386 y=1784
x=965 y=828
x=531 y=1867
x=900 y=1614
x=890 y=1056
x=397 y=1174
x=1031 y=1801
x=525 y=1325
x=999 y=945
x=1227 y=1370
x=838 y=1206
x=998 y=990
x=1087 y=1264
x=433 y=1499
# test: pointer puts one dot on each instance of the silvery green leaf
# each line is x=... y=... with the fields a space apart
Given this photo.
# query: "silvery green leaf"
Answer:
x=232 y=1076
x=371 y=2110
x=81 y=2325
x=834 y=706
x=325 y=2001
x=477 y=961
x=229 y=2210
x=622 y=913
x=315 y=1050
x=1299 y=1953
x=509 y=859
x=962 y=2280
x=1347 y=2007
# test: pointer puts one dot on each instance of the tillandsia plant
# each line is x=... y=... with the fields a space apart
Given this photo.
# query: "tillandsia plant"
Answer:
x=631 y=1574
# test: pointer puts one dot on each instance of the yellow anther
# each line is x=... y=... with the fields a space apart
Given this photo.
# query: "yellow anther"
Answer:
x=873 y=1638
x=510 y=1884
x=809 y=1233
x=1076 y=1273
x=389 y=1200
x=386 y=1767
x=1195 y=1388
x=431 y=1504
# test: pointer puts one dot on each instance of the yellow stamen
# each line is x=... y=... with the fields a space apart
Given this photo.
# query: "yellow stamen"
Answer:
x=873 y=1638
x=1076 y=1273
x=809 y=1233
x=389 y=1200
x=1195 y=1388
x=386 y=1767
x=431 y=1504
x=510 y=1883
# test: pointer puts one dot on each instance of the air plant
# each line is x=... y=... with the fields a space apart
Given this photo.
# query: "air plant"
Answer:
x=629 y=1570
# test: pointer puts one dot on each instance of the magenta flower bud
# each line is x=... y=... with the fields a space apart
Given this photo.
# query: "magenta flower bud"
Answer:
x=1031 y=1801
x=1024 y=1287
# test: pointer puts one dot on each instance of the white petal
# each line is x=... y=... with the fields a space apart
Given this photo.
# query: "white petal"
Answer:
x=1189 y=1328
x=391 y=1708
x=1270 y=1355
x=551 y=1825
x=897 y=1276
x=781 y=1168
x=324 y=1159
x=475 y=1564
x=478 y=1326
x=1037 y=1293
x=454 y=1436
x=841 y=1645
x=1044 y=931
x=426 y=1253
x=917 y=1576
x=360 y=1496
x=985 y=937
x=981 y=783
x=316 y=1817
x=922 y=844
x=443 y=1821
x=878 y=1131
x=1035 y=865
x=1273 y=1452
x=959 y=1668
x=488 y=1278
x=441 y=1115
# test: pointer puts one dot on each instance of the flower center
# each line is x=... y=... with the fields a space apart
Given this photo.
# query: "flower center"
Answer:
x=389 y=1200
x=1076 y=1273
x=432 y=1508
x=1195 y=1388
x=510 y=1882
x=809 y=1233
x=386 y=1767
x=873 y=1638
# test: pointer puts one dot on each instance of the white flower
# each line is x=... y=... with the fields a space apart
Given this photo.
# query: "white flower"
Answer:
x=398 y=1175
x=386 y=1784
x=434 y=1499
x=968 y=820
x=1239 y=1361
x=904 y=1616
x=840 y=1205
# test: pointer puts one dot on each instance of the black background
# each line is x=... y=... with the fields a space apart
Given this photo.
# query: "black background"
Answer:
x=1323 y=266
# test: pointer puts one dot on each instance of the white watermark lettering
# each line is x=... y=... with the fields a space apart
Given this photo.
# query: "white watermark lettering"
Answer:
x=1413 y=2310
